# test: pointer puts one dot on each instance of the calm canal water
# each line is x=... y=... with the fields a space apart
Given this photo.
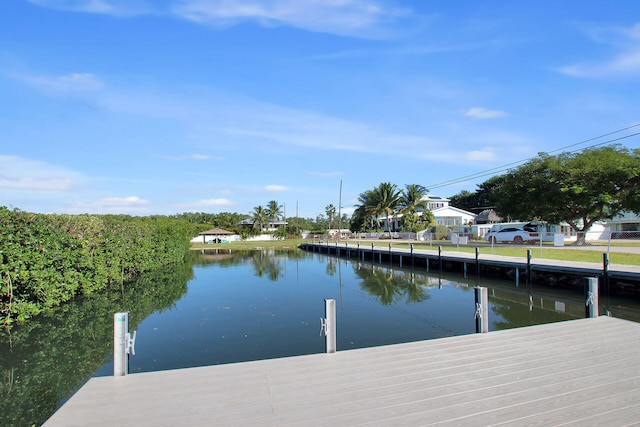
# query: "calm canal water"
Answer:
x=226 y=307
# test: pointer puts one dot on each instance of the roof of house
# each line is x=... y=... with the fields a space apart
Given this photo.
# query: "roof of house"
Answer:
x=215 y=231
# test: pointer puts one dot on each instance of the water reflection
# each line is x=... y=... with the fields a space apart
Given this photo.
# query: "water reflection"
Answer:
x=390 y=286
x=50 y=357
x=225 y=307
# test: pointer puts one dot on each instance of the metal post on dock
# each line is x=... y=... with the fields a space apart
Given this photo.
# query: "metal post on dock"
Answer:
x=412 y=259
x=477 y=261
x=328 y=325
x=482 y=309
x=591 y=297
x=605 y=276
x=123 y=344
x=529 y=267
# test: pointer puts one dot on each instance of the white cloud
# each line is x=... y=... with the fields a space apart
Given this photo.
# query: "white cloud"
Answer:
x=483 y=113
x=129 y=205
x=480 y=155
x=215 y=202
x=129 y=201
x=625 y=64
x=74 y=83
x=275 y=188
x=17 y=173
x=104 y=7
x=358 y=18
x=344 y=17
x=625 y=61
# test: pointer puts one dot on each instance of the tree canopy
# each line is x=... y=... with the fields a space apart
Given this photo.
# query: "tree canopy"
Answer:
x=575 y=188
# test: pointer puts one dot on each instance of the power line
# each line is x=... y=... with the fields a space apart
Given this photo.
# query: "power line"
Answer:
x=507 y=166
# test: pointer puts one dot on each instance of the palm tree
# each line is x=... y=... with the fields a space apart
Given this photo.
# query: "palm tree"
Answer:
x=330 y=211
x=366 y=207
x=412 y=199
x=259 y=217
x=386 y=200
x=273 y=210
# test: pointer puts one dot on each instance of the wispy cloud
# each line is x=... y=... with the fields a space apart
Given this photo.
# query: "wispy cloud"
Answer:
x=275 y=188
x=353 y=18
x=18 y=173
x=624 y=61
x=362 y=18
x=129 y=205
x=481 y=155
x=214 y=202
x=483 y=113
x=67 y=84
x=103 y=7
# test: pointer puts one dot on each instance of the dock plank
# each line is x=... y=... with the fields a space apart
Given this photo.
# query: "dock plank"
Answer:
x=581 y=371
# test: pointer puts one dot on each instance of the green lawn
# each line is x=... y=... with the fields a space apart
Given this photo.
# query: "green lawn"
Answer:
x=549 y=252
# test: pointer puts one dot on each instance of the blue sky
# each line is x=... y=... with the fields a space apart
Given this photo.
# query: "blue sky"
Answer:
x=165 y=106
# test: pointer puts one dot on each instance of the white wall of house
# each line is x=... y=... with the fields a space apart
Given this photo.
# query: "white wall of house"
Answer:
x=451 y=216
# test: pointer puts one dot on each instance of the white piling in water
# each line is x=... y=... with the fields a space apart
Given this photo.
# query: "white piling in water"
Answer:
x=482 y=309
x=120 y=338
x=328 y=325
x=591 y=296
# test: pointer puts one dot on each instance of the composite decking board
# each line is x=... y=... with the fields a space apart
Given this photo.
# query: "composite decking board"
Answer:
x=619 y=416
x=422 y=383
x=580 y=413
x=503 y=376
x=476 y=395
x=455 y=409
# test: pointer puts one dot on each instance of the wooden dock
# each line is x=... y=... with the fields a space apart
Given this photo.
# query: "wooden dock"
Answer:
x=579 y=372
x=619 y=275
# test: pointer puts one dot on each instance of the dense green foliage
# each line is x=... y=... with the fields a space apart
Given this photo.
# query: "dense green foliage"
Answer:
x=226 y=220
x=46 y=259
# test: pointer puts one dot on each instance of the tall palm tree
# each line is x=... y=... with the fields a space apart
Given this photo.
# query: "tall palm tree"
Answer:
x=259 y=217
x=412 y=198
x=366 y=208
x=330 y=210
x=273 y=210
x=386 y=200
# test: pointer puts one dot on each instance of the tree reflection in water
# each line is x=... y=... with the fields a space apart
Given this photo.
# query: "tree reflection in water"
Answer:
x=390 y=286
x=51 y=356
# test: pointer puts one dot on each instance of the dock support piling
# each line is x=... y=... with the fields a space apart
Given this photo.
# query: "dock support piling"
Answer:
x=329 y=325
x=482 y=309
x=591 y=297
x=120 y=339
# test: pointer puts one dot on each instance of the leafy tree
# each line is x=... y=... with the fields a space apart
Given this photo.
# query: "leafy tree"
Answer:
x=579 y=189
x=465 y=200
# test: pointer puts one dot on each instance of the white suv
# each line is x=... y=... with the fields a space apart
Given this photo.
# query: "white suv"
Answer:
x=509 y=234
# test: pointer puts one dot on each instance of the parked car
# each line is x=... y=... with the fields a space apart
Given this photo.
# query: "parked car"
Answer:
x=509 y=234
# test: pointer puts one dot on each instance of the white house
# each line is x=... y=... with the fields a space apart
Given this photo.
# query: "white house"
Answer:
x=445 y=215
x=452 y=216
